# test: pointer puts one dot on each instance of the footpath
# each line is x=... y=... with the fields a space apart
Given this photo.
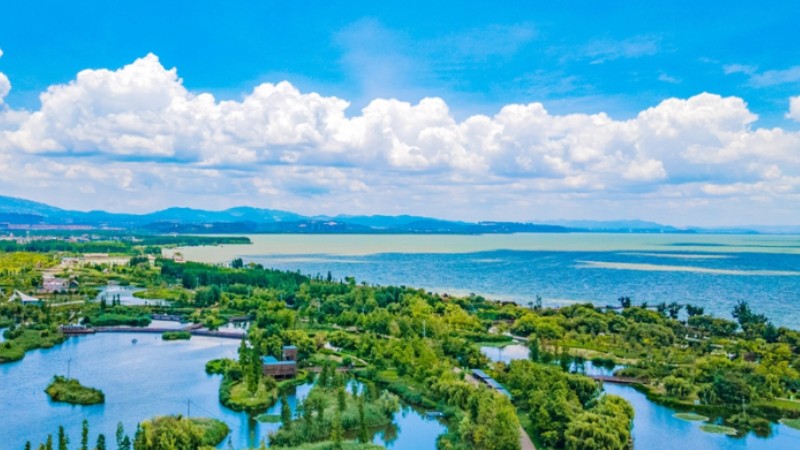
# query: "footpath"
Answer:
x=525 y=441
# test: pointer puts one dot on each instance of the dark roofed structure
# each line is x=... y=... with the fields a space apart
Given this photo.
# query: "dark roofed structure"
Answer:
x=484 y=378
x=271 y=366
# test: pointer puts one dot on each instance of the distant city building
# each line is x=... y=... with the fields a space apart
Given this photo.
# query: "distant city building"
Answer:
x=95 y=258
x=51 y=284
x=25 y=299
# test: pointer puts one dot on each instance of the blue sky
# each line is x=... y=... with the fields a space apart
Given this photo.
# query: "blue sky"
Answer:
x=581 y=61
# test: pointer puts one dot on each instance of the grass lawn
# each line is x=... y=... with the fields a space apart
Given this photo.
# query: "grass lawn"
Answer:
x=259 y=400
x=160 y=294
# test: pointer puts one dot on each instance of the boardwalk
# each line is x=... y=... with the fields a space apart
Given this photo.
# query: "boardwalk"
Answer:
x=209 y=333
x=616 y=380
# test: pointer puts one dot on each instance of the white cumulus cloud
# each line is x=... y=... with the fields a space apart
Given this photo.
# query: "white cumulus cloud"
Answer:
x=136 y=136
x=794 y=108
x=5 y=85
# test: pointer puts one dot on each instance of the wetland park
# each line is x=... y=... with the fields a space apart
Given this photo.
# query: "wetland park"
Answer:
x=195 y=354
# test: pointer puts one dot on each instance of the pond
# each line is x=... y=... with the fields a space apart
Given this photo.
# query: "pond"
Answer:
x=654 y=425
x=125 y=295
x=144 y=379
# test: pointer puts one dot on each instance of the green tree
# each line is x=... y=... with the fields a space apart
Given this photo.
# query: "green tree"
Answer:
x=693 y=310
x=84 y=435
x=341 y=399
x=101 y=442
x=120 y=435
x=286 y=413
x=63 y=440
x=363 y=432
x=534 y=351
x=336 y=431
x=677 y=387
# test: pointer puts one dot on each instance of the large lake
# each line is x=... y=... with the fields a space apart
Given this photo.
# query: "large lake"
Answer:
x=714 y=271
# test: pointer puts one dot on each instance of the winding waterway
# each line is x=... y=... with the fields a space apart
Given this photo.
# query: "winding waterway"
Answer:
x=656 y=428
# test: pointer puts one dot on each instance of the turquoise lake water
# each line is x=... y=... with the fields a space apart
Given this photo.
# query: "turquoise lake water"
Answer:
x=142 y=380
x=713 y=271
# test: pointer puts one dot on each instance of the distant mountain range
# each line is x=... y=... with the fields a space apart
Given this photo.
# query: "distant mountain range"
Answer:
x=16 y=213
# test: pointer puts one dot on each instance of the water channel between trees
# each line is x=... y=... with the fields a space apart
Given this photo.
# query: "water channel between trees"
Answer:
x=656 y=428
x=142 y=377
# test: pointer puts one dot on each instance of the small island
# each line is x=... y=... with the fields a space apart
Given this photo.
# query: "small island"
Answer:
x=176 y=335
x=71 y=391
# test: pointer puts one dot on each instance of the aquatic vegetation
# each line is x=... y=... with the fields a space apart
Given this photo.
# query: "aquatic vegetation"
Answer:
x=792 y=423
x=718 y=429
x=691 y=417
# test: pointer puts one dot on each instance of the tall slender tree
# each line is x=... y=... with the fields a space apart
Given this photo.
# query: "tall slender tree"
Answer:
x=101 y=442
x=286 y=413
x=84 y=435
x=336 y=431
x=120 y=435
x=63 y=440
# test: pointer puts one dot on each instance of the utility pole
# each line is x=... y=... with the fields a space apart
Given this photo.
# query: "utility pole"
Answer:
x=424 y=330
x=188 y=409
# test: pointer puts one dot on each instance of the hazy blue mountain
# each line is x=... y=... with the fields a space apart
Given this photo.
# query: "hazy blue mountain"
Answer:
x=12 y=205
x=239 y=214
x=379 y=221
x=617 y=225
x=245 y=219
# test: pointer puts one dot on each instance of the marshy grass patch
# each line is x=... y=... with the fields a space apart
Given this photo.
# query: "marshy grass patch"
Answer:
x=791 y=423
x=691 y=417
x=718 y=429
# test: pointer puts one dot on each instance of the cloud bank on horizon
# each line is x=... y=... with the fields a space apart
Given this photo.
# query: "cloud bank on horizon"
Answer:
x=136 y=139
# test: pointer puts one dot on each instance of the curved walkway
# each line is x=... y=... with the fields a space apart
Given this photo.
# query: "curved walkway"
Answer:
x=219 y=334
x=525 y=442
